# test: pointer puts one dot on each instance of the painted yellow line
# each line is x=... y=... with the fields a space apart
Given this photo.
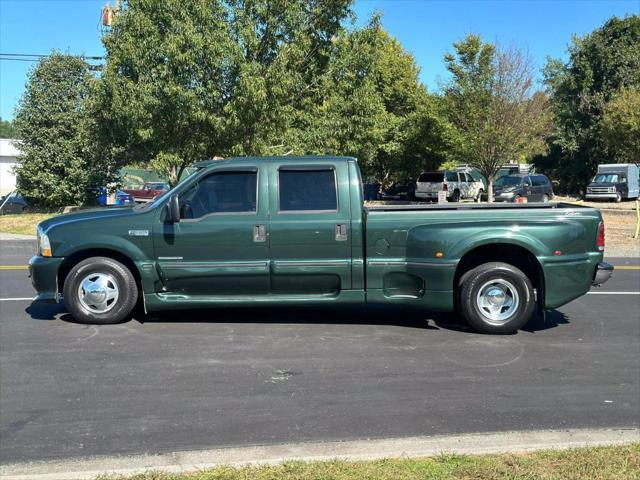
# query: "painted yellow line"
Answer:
x=627 y=267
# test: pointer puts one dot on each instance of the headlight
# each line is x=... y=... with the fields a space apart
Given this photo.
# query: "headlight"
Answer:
x=44 y=246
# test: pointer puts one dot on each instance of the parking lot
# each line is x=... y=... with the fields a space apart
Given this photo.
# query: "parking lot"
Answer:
x=215 y=378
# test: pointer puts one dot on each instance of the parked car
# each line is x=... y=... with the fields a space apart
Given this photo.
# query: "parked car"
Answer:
x=614 y=182
x=534 y=187
x=293 y=230
x=121 y=198
x=458 y=185
x=149 y=191
x=13 y=203
x=399 y=191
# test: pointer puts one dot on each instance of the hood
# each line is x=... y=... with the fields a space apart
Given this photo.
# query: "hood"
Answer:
x=84 y=215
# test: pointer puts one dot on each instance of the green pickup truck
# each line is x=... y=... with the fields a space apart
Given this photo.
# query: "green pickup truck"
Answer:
x=294 y=231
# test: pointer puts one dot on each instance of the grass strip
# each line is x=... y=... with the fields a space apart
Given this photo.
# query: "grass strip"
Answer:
x=589 y=463
x=23 y=223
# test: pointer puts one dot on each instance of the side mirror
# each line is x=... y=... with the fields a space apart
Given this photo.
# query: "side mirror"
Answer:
x=173 y=209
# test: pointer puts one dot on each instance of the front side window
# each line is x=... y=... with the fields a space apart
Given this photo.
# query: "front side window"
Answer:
x=221 y=192
x=307 y=190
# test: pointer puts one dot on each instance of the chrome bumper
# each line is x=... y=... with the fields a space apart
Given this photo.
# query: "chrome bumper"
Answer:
x=600 y=196
x=603 y=273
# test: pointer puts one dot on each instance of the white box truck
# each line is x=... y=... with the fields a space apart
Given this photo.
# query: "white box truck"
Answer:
x=614 y=181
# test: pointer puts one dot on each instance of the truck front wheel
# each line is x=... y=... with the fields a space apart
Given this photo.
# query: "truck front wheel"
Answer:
x=496 y=298
x=100 y=290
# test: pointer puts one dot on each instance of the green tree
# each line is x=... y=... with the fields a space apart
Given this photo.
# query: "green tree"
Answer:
x=189 y=80
x=491 y=102
x=57 y=166
x=7 y=129
x=374 y=107
x=599 y=65
x=621 y=125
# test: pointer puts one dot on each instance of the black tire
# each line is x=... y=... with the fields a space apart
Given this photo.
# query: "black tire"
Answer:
x=119 y=277
x=480 y=278
x=455 y=196
x=479 y=196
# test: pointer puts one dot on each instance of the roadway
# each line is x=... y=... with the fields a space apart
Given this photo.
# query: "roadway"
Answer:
x=218 y=378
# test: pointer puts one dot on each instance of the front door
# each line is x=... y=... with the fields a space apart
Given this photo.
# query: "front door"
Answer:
x=310 y=233
x=220 y=246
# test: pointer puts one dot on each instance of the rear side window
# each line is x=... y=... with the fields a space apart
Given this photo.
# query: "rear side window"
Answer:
x=451 y=176
x=434 y=177
x=539 y=180
x=307 y=190
x=221 y=192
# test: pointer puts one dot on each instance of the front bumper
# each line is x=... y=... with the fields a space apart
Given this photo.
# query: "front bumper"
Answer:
x=601 y=196
x=603 y=273
x=43 y=272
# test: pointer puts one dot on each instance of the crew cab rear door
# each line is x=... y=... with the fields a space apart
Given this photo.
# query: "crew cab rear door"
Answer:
x=310 y=228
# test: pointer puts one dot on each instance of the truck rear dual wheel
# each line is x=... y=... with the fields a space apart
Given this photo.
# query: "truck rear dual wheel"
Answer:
x=496 y=298
x=100 y=290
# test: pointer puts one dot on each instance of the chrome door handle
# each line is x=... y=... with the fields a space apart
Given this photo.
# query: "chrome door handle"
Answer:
x=259 y=233
x=341 y=232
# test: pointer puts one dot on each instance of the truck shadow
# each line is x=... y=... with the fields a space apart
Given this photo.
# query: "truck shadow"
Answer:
x=399 y=317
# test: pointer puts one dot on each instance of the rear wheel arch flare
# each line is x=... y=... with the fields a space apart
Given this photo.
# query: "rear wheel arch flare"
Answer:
x=510 y=253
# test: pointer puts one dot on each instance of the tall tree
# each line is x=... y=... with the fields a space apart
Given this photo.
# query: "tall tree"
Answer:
x=599 y=65
x=189 y=80
x=621 y=125
x=374 y=107
x=57 y=166
x=493 y=105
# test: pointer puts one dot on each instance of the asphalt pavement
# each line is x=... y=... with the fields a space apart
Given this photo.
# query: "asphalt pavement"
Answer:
x=216 y=378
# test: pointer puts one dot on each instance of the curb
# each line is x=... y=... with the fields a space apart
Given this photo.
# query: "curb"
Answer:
x=189 y=461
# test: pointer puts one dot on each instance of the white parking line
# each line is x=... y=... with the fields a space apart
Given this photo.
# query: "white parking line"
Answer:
x=19 y=299
x=613 y=293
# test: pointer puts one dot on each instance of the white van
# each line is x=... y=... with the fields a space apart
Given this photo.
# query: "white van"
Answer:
x=458 y=185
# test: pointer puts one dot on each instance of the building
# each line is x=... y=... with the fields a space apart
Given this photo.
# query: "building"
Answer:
x=8 y=161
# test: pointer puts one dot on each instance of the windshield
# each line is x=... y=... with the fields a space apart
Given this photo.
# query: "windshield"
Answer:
x=606 y=178
x=508 y=181
x=157 y=186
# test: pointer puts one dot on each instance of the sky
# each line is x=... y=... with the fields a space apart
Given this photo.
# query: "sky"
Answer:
x=425 y=28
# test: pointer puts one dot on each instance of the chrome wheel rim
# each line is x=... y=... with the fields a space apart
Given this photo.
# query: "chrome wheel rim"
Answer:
x=98 y=292
x=497 y=301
